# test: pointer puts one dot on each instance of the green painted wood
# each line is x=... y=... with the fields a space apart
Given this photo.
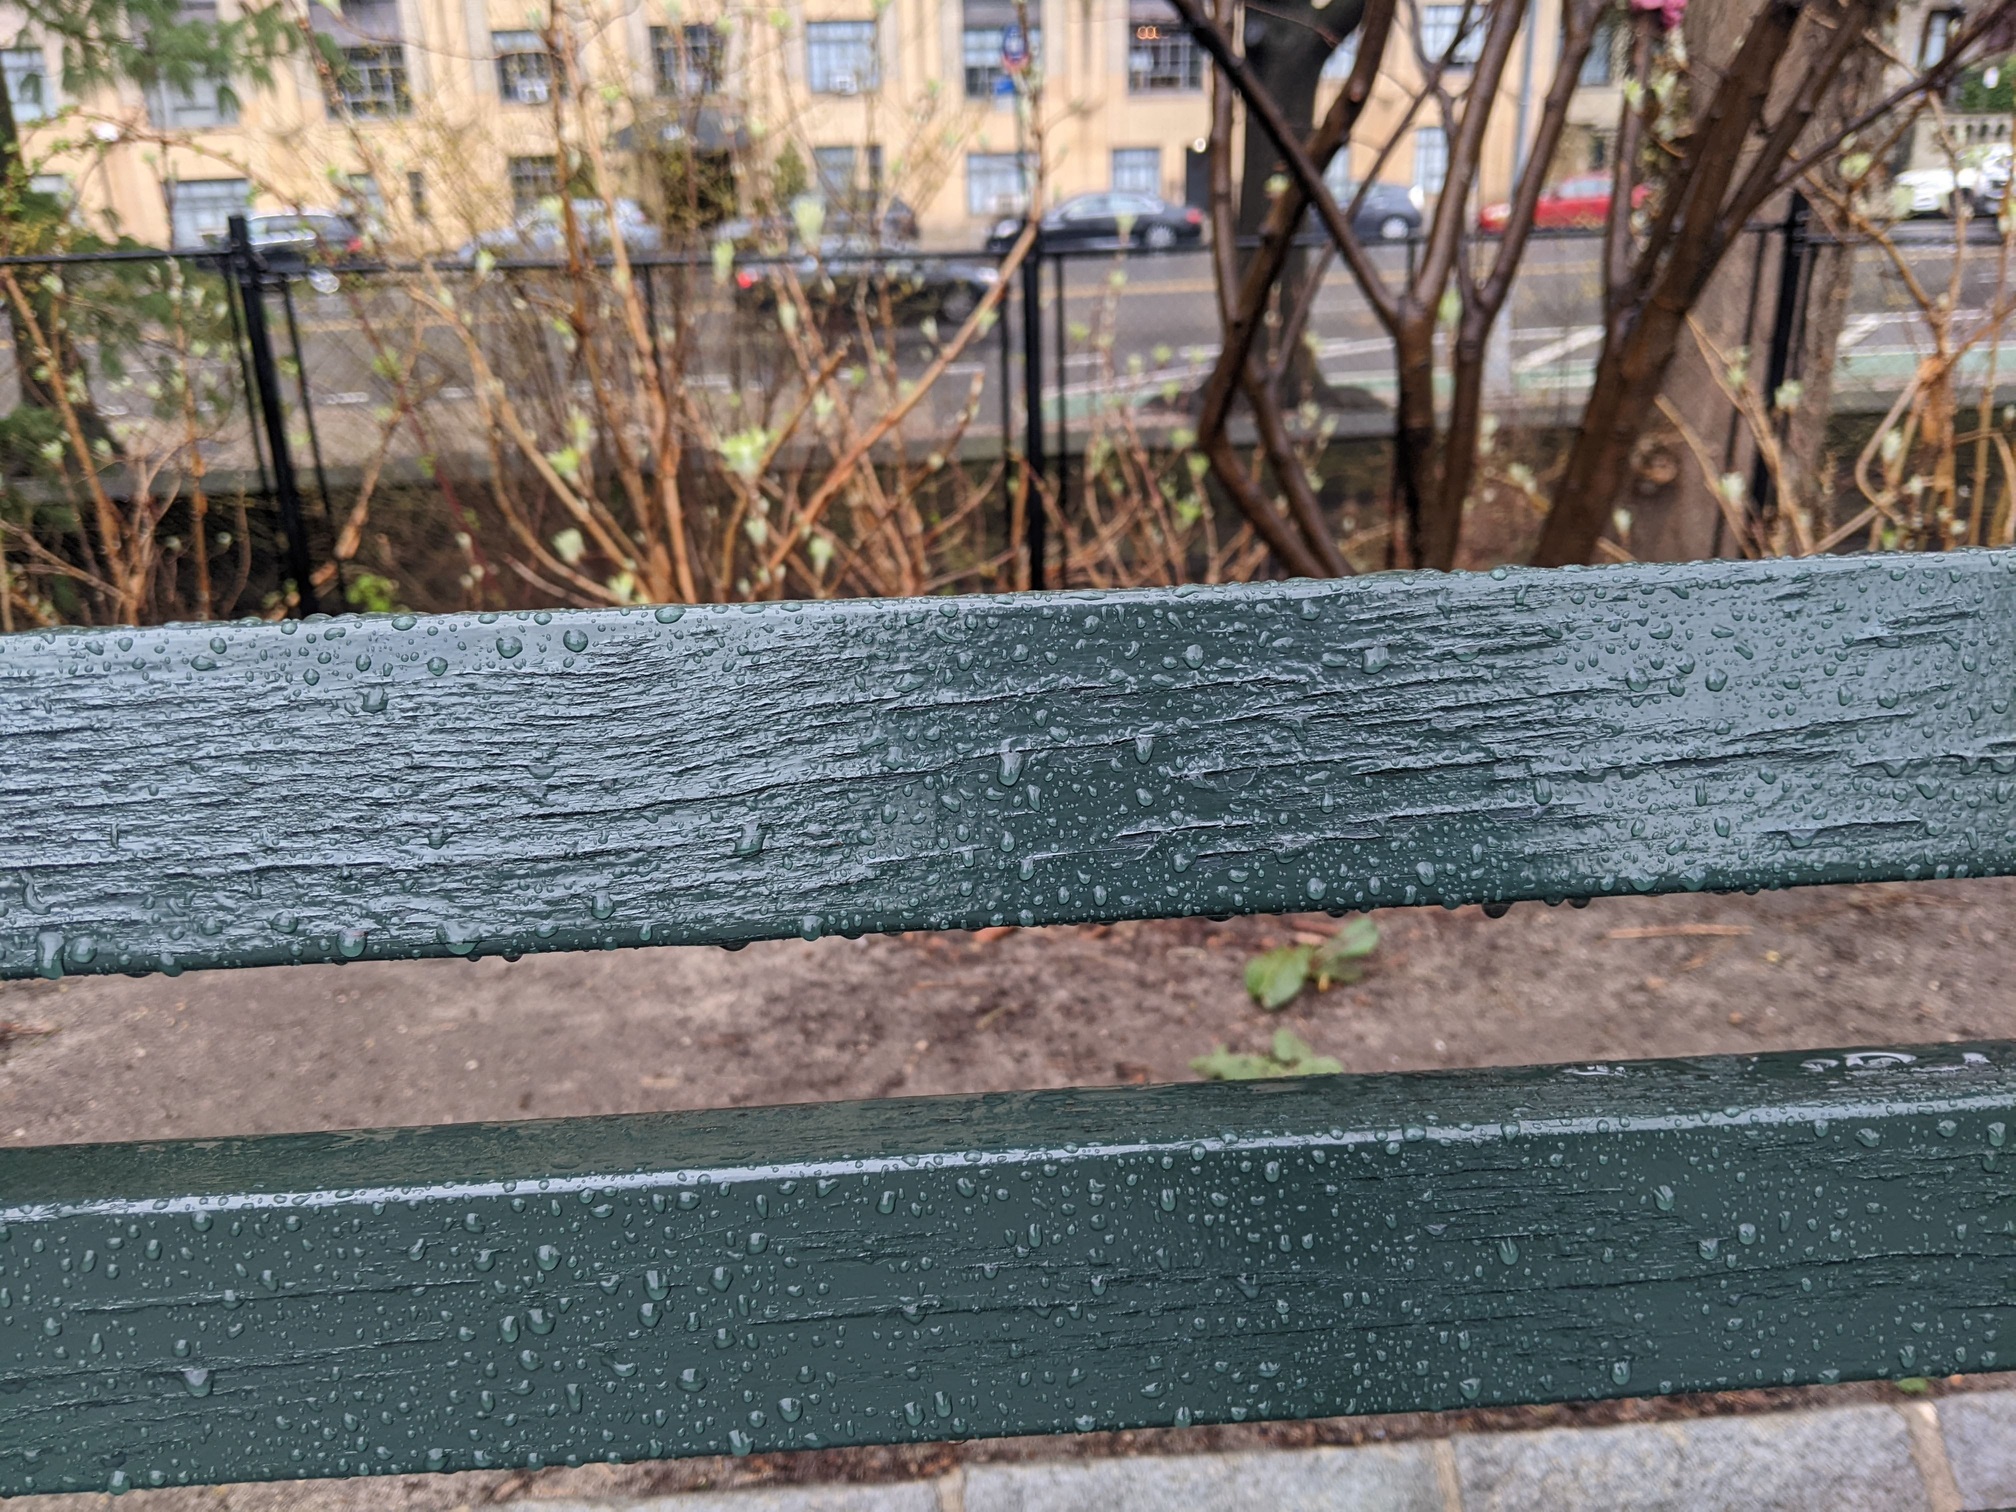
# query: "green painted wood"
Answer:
x=245 y=794
x=429 y=1299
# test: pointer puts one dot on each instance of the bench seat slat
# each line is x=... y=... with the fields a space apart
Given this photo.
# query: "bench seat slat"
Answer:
x=231 y=795
x=717 y=1282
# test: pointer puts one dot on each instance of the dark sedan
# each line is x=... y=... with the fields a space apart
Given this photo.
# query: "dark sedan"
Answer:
x=1387 y=213
x=850 y=269
x=1109 y=220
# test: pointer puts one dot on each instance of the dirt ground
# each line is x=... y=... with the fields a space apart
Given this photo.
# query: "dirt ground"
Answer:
x=268 y=1051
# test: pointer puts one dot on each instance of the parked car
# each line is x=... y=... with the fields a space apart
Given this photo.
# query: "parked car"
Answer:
x=296 y=244
x=1388 y=212
x=1580 y=203
x=847 y=268
x=896 y=226
x=1991 y=184
x=1940 y=191
x=539 y=232
x=1109 y=220
x=1927 y=191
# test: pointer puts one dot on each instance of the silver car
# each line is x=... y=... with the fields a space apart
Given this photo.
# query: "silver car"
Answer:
x=539 y=232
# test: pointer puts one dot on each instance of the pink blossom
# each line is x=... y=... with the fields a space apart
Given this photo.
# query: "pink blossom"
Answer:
x=1669 y=12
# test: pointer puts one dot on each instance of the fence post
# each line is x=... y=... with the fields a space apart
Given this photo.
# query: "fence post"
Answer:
x=1788 y=320
x=1062 y=332
x=245 y=384
x=246 y=269
x=1006 y=326
x=314 y=435
x=1035 y=522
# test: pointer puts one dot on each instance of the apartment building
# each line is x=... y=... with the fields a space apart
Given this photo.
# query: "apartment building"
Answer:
x=442 y=118
x=1414 y=139
x=1975 y=114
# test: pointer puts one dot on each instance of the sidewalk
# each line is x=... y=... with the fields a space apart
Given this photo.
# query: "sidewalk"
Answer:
x=1953 y=1455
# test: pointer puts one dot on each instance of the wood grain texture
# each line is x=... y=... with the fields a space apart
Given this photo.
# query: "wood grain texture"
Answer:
x=760 y=1279
x=229 y=795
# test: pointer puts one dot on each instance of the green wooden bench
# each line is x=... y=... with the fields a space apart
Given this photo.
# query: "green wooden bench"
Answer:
x=765 y=1279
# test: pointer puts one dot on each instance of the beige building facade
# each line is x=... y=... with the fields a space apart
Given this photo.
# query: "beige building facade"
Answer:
x=441 y=119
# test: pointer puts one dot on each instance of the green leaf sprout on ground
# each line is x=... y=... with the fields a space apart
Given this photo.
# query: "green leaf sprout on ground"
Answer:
x=1289 y=1056
x=1275 y=979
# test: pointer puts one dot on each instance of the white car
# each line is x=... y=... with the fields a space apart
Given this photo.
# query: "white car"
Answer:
x=1991 y=186
x=1938 y=191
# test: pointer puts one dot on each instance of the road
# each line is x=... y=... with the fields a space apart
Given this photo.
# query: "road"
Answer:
x=1136 y=328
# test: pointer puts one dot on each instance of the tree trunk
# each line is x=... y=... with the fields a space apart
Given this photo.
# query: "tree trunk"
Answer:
x=1622 y=394
x=1415 y=475
x=1442 y=526
x=1804 y=449
x=1677 y=520
x=1286 y=47
x=1769 y=76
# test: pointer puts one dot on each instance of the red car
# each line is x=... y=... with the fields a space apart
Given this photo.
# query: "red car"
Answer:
x=1573 y=204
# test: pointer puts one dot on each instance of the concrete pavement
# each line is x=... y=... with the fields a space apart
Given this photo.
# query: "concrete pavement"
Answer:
x=1956 y=1454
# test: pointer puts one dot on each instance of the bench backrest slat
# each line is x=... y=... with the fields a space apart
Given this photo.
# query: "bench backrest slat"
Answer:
x=242 y=794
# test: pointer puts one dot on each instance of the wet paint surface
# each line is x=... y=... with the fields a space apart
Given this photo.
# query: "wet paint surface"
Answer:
x=762 y=1279
x=369 y=788
x=725 y=1282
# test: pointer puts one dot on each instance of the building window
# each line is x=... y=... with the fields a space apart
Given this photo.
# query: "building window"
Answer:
x=199 y=208
x=1446 y=38
x=364 y=202
x=986 y=73
x=997 y=183
x=30 y=91
x=416 y=195
x=524 y=67
x=686 y=60
x=1605 y=63
x=1939 y=28
x=837 y=175
x=372 y=82
x=1431 y=159
x=1337 y=67
x=840 y=57
x=833 y=173
x=206 y=102
x=533 y=179
x=1162 y=57
x=1137 y=170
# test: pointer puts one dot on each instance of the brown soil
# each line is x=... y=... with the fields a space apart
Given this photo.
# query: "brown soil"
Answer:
x=331 y=1047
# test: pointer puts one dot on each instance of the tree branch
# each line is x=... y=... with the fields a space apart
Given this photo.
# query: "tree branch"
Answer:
x=1632 y=120
x=1445 y=235
x=1262 y=108
x=1579 y=34
x=1989 y=28
x=1284 y=218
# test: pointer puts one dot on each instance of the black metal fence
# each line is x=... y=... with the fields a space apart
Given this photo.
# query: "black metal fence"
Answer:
x=298 y=374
